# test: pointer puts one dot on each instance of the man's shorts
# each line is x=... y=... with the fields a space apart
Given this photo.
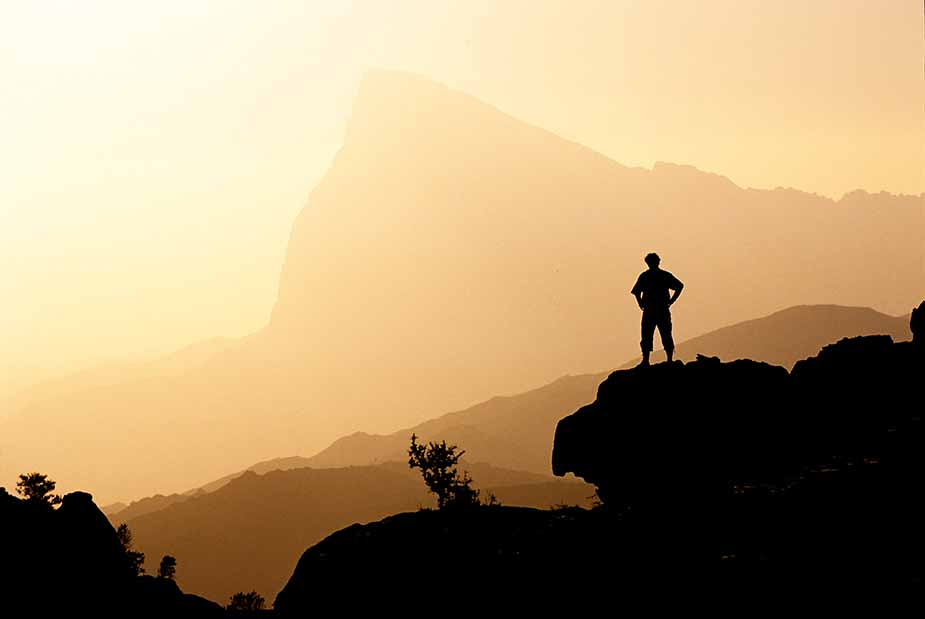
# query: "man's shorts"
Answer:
x=652 y=318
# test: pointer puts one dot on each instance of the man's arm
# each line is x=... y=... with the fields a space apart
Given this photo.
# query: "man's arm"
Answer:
x=637 y=291
x=677 y=288
x=638 y=296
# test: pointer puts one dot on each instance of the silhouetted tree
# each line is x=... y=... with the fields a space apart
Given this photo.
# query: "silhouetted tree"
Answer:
x=246 y=602
x=168 y=568
x=437 y=462
x=37 y=489
x=134 y=560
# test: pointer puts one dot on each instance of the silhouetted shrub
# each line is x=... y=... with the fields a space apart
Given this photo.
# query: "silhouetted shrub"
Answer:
x=437 y=462
x=246 y=602
x=168 y=567
x=36 y=488
x=133 y=559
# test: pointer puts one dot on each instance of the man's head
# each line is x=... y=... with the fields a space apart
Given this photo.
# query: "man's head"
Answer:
x=653 y=260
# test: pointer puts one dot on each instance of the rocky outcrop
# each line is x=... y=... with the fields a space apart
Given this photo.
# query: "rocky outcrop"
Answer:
x=68 y=561
x=713 y=425
x=817 y=471
x=677 y=424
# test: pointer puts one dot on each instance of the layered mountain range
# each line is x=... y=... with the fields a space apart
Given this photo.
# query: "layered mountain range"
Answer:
x=516 y=431
x=452 y=253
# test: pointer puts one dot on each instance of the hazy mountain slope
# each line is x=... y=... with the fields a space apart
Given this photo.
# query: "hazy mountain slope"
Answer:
x=515 y=431
x=488 y=473
x=146 y=505
x=121 y=512
x=276 y=464
x=114 y=373
x=451 y=253
x=112 y=509
x=250 y=533
x=512 y=431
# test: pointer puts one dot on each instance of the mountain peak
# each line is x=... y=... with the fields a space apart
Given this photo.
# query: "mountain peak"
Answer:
x=397 y=112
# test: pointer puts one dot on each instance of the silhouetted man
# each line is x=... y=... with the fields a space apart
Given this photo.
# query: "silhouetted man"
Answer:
x=651 y=292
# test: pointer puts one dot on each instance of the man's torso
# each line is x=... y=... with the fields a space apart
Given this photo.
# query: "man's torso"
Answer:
x=654 y=285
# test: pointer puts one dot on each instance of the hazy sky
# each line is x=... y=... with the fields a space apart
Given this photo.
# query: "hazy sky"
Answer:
x=154 y=154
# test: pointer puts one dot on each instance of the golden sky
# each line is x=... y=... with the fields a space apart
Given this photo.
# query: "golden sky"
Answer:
x=155 y=154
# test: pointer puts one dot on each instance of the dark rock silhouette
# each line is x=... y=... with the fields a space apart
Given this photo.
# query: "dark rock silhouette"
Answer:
x=819 y=470
x=680 y=420
x=69 y=562
x=463 y=558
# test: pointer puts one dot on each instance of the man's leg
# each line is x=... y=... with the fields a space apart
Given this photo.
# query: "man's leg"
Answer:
x=664 y=330
x=648 y=331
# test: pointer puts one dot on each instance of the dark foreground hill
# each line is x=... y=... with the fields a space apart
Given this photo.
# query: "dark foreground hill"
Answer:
x=249 y=534
x=69 y=562
x=733 y=476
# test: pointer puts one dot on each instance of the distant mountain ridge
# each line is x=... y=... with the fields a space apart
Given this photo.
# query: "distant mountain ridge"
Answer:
x=452 y=252
x=515 y=431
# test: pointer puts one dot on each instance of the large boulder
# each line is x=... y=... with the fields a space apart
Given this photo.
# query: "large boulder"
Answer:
x=708 y=424
x=660 y=430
